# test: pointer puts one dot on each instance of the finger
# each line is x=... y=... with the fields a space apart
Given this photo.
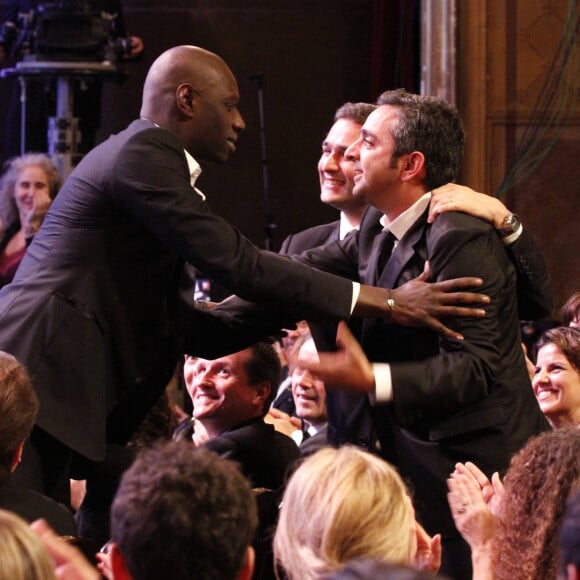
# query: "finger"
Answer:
x=448 y=297
x=497 y=483
x=459 y=311
x=440 y=328
x=458 y=283
x=479 y=476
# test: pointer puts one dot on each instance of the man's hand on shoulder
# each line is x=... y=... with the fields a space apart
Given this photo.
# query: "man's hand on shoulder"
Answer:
x=454 y=197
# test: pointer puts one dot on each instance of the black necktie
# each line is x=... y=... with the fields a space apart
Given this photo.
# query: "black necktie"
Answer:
x=385 y=249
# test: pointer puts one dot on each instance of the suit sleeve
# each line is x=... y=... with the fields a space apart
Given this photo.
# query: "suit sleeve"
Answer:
x=464 y=372
x=150 y=181
x=236 y=323
x=533 y=281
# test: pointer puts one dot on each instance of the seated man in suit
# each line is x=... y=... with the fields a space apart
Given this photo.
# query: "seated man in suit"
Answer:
x=230 y=397
x=18 y=409
x=309 y=428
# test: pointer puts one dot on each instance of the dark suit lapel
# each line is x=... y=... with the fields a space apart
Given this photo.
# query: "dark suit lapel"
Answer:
x=368 y=246
x=409 y=248
x=405 y=263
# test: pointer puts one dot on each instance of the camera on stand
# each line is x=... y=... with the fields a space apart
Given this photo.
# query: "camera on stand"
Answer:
x=66 y=40
x=66 y=30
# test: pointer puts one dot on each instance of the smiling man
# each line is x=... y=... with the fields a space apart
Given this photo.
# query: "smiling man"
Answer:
x=230 y=397
x=336 y=175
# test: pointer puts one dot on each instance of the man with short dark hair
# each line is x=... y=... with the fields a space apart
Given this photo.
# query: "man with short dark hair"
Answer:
x=336 y=175
x=430 y=401
x=230 y=397
x=182 y=511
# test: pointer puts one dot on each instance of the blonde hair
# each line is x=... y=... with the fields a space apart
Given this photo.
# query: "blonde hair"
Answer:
x=22 y=555
x=342 y=504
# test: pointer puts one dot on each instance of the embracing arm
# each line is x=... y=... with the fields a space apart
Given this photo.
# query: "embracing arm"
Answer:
x=533 y=281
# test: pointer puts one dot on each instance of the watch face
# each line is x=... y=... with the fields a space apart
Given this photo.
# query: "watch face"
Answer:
x=511 y=224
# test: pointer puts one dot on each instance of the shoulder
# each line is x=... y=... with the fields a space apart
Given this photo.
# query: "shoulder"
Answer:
x=310 y=238
x=32 y=505
x=459 y=226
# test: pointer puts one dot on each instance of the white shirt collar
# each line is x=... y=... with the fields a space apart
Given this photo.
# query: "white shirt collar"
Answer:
x=403 y=222
x=194 y=172
x=345 y=227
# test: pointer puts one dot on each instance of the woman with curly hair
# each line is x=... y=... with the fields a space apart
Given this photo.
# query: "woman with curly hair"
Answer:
x=556 y=380
x=27 y=188
x=342 y=504
x=513 y=529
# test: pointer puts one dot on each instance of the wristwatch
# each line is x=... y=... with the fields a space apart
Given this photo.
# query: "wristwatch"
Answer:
x=511 y=225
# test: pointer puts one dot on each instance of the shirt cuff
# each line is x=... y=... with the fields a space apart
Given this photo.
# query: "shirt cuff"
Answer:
x=383 y=384
x=355 y=295
x=509 y=240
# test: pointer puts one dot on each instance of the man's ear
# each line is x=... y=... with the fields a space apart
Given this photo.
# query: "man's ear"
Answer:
x=118 y=565
x=185 y=97
x=17 y=457
x=249 y=563
x=414 y=166
x=263 y=390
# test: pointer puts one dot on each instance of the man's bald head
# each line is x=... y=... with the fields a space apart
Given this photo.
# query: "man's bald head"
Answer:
x=193 y=93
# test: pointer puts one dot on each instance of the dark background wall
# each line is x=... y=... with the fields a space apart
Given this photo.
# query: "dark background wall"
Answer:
x=313 y=56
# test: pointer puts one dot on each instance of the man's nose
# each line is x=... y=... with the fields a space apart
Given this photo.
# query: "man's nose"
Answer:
x=352 y=151
x=239 y=123
x=330 y=163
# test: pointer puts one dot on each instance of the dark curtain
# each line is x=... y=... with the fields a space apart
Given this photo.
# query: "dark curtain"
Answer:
x=396 y=45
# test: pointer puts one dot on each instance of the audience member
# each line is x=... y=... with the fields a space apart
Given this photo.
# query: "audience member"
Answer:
x=341 y=504
x=283 y=399
x=309 y=396
x=27 y=188
x=230 y=397
x=179 y=510
x=556 y=381
x=570 y=540
x=22 y=555
x=93 y=311
x=182 y=510
x=513 y=532
x=336 y=174
x=571 y=311
x=18 y=409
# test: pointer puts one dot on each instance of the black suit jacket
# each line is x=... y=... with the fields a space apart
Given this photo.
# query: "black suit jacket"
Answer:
x=452 y=400
x=30 y=505
x=93 y=311
x=310 y=238
x=264 y=455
